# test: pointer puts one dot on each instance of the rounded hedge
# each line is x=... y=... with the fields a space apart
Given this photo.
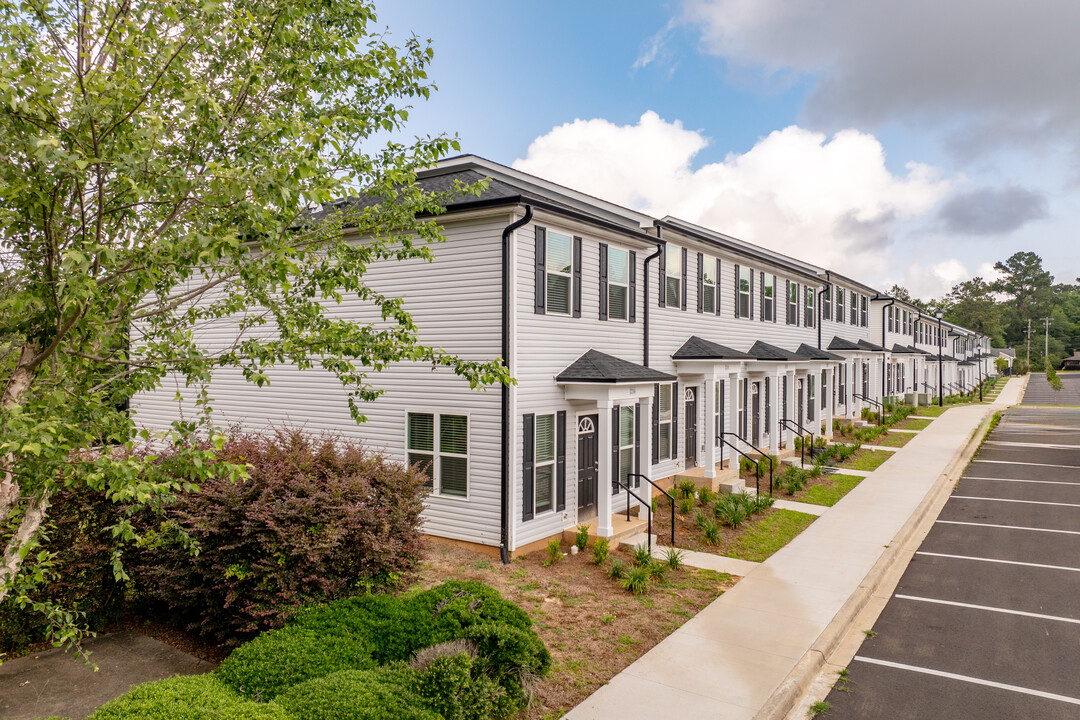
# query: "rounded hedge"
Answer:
x=187 y=697
x=357 y=695
x=277 y=660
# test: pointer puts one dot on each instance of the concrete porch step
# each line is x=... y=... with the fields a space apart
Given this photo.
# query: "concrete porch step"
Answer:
x=621 y=528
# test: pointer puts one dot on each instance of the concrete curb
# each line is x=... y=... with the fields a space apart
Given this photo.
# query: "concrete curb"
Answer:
x=787 y=695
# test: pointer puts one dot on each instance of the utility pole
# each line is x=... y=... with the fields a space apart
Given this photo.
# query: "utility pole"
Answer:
x=1029 y=344
x=1046 y=338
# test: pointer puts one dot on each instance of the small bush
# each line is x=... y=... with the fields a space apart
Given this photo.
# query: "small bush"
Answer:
x=656 y=570
x=318 y=519
x=687 y=488
x=636 y=580
x=279 y=659
x=617 y=569
x=709 y=530
x=642 y=556
x=358 y=695
x=674 y=558
x=511 y=657
x=792 y=481
x=187 y=697
x=686 y=504
x=706 y=496
x=600 y=550
x=554 y=551
x=451 y=687
x=732 y=512
x=581 y=539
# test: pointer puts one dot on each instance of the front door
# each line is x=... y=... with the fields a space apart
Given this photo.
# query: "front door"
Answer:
x=755 y=414
x=691 y=427
x=587 y=467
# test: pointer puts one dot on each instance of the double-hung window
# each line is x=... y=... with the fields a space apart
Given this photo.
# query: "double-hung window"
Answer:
x=854 y=308
x=544 y=449
x=745 y=274
x=626 y=444
x=618 y=283
x=665 y=429
x=824 y=388
x=826 y=303
x=810 y=413
x=793 y=303
x=710 y=292
x=768 y=297
x=809 y=306
x=439 y=444
x=718 y=416
x=560 y=272
x=889 y=312
x=673 y=276
x=863 y=301
x=840 y=305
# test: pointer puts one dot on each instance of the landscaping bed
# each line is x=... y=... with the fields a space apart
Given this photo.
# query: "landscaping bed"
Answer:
x=866 y=460
x=590 y=624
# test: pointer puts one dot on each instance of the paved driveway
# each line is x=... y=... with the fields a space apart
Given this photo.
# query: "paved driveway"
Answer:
x=985 y=622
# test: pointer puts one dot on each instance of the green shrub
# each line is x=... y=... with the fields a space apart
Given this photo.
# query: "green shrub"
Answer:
x=686 y=488
x=581 y=539
x=511 y=657
x=732 y=510
x=686 y=504
x=275 y=661
x=451 y=687
x=706 y=495
x=792 y=481
x=600 y=550
x=187 y=697
x=656 y=570
x=358 y=695
x=761 y=503
x=642 y=556
x=617 y=569
x=636 y=580
x=709 y=530
x=674 y=558
x=554 y=551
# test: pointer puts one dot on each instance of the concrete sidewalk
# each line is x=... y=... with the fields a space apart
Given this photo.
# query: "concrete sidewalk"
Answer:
x=737 y=656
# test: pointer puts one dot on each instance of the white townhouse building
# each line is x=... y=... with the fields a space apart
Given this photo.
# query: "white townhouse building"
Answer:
x=643 y=349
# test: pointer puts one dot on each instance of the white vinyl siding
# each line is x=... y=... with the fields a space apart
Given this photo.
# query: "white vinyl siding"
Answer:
x=560 y=272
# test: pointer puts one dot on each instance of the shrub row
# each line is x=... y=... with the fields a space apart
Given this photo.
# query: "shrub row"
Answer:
x=458 y=651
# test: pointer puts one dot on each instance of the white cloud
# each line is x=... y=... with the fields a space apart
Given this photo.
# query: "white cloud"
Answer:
x=830 y=201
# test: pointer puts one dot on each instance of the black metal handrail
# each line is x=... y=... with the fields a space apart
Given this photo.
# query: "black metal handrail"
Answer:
x=669 y=497
x=648 y=508
x=757 y=464
x=802 y=433
x=875 y=403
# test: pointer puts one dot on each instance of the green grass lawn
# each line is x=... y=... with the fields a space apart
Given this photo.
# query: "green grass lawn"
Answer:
x=829 y=493
x=914 y=424
x=764 y=537
x=933 y=410
x=867 y=460
x=895 y=440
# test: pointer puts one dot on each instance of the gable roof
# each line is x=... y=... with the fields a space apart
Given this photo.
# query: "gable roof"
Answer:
x=864 y=345
x=898 y=349
x=812 y=353
x=696 y=348
x=839 y=343
x=764 y=351
x=597 y=367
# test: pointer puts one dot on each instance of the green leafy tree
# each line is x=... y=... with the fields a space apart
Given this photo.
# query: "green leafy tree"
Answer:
x=901 y=293
x=170 y=164
x=972 y=305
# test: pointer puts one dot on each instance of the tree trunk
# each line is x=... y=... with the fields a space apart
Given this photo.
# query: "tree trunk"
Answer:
x=19 y=382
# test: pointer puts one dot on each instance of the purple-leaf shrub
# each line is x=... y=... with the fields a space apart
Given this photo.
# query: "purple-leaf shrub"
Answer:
x=318 y=519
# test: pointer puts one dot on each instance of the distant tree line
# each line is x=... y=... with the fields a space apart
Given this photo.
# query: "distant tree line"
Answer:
x=1002 y=309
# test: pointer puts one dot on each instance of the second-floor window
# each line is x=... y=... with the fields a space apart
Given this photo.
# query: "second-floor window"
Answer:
x=768 y=298
x=618 y=283
x=854 y=308
x=840 y=305
x=809 y=306
x=863 y=300
x=560 y=272
x=673 y=276
x=826 y=303
x=709 y=280
x=889 y=312
x=793 y=303
x=745 y=274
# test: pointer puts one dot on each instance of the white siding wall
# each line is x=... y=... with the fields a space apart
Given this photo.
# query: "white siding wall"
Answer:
x=455 y=302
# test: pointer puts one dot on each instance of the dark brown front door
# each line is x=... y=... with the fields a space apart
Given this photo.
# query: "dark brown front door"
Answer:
x=587 y=464
x=691 y=427
x=755 y=414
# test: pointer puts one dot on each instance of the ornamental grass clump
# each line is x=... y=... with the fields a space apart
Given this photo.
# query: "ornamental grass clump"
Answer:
x=686 y=504
x=686 y=488
x=554 y=552
x=674 y=558
x=636 y=579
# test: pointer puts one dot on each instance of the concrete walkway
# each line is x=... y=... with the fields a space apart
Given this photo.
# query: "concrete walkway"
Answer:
x=730 y=659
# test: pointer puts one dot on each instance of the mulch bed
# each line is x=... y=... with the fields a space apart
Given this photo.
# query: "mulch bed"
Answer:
x=687 y=534
x=592 y=626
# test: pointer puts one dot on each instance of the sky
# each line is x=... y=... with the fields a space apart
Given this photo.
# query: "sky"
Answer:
x=914 y=143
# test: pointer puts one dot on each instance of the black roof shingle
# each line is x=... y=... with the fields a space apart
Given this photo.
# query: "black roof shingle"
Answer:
x=597 y=367
x=696 y=348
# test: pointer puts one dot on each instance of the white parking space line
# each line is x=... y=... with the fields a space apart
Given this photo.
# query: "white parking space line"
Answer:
x=1017 y=462
x=1018 y=480
x=1009 y=527
x=969 y=679
x=989 y=608
x=1009 y=500
x=1052 y=446
x=995 y=560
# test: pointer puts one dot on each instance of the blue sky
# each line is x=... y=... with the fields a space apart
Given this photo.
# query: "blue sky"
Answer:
x=952 y=153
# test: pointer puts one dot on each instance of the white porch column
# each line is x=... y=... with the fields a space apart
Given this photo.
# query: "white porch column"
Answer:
x=830 y=402
x=734 y=384
x=789 y=431
x=710 y=428
x=776 y=412
x=850 y=389
x=645 y=446
x=603 y=440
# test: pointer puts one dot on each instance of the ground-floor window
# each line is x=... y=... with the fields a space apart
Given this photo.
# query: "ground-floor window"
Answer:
x=665 y=403
x=824 y=390
x=439 y=444
x=743 y=399
x=718 y=416
x=625 y=445
x=810 y=396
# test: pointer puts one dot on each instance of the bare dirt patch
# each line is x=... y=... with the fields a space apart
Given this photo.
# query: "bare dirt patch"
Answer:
x=592 y=626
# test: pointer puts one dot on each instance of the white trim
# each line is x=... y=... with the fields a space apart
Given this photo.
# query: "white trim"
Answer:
x=436 y=479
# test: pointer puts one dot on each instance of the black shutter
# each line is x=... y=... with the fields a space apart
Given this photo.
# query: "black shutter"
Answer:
x=656 y=424
x=700 y=280
x=751 y=314
x=736 y=303
x=717 y=286
x=761 y=292
x=637 y=443
x=577 y=276
x=560 y=460
x=603 y=281
x=541 y=271
x=661 y=265
x=528 y=437
x=632 y=300
x=615 y=451
x=675 y=402
x=787 y=302
x=684 y=257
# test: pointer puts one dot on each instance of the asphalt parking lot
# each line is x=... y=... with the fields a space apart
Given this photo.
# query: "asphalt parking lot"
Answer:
x=985 y=622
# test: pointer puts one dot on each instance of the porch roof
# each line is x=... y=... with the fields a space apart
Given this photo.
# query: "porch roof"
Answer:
x=839 y=343
x=810 y=352
x=865 y=345
x=696 y=348
x=898 y=349
x=597 y=367
x=770 y=353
